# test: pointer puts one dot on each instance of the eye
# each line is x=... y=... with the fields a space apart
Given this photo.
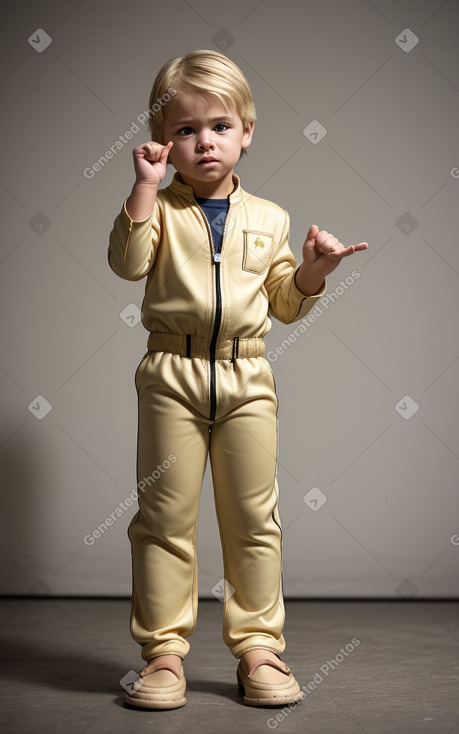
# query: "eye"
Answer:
x=221 y=127
x=185 y=131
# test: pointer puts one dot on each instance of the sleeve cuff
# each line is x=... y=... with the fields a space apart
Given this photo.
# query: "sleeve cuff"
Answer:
x=135 y=221
x=305 y=303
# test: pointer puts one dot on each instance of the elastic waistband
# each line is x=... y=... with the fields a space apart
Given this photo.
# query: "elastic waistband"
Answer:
x=189 y=345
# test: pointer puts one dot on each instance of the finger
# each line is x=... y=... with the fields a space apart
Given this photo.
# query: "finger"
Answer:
x=140 y=150
x=346 y=251
x=165 y=152
x=325 y=240
x=148 y=150
x=351 y=249
x=147 y=147
x=312 y=233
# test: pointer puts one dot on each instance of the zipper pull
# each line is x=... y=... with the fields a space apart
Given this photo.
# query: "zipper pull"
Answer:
x=217 y=257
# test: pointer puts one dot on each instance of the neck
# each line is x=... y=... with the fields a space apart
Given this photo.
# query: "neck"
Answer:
x=211 y=189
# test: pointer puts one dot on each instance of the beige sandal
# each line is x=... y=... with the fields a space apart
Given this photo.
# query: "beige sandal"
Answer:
x=258 y=692
x=158 y=689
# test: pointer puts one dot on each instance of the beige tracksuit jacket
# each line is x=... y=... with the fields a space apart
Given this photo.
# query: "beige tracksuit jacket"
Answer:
x=173 y=248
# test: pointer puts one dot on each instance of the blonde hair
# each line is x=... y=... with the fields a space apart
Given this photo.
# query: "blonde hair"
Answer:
x=201 y=71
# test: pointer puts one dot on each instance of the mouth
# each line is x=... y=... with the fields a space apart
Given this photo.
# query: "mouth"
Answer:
x=207 y=160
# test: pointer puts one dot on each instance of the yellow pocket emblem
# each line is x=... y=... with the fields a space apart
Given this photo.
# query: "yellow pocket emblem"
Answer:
x=258 y=248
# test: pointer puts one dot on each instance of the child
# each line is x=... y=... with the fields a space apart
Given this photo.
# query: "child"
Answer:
x=216 y=259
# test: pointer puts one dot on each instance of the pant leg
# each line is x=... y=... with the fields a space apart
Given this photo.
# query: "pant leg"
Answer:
x=173 y=438
x=243 y=454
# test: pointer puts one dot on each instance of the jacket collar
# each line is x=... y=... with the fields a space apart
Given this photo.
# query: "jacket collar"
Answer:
x=184 y=190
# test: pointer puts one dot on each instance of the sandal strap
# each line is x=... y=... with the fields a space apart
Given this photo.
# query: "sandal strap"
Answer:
x=274 y=664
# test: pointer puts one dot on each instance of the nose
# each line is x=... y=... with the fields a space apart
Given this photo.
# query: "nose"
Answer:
x=205 y=141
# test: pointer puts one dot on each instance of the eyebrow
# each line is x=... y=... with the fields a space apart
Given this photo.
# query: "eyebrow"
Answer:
x=221 y=118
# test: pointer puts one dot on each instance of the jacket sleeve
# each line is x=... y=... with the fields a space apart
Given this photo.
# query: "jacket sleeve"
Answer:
x=286 y=302
x=132 y=244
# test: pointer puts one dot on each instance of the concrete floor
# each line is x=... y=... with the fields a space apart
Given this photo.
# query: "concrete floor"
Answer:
x=62 y=660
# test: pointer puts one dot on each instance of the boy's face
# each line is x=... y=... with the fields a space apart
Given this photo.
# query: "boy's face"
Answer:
x=207 y=141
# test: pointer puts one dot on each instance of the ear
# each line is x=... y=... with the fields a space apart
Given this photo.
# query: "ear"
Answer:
x=247 y=135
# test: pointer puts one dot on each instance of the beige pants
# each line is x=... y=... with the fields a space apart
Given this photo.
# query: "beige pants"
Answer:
x=175 y=436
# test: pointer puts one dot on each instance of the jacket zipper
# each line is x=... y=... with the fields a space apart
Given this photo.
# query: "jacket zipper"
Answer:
x=213 y=341
x=216 y=259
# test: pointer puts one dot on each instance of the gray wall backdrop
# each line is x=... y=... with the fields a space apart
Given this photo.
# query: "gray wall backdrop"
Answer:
x=358 y=115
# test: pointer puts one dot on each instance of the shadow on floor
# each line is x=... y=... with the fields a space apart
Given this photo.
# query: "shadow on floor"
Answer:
x=82 y=672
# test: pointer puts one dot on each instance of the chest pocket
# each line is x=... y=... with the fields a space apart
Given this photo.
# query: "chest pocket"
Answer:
x=257 y=252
